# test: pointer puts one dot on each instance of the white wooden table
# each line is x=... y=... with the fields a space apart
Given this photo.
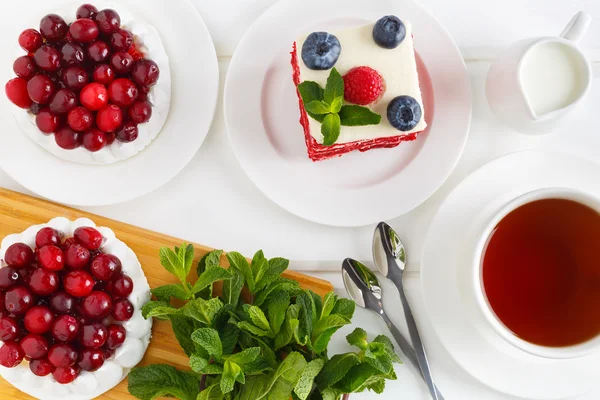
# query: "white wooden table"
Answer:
x=237 y=216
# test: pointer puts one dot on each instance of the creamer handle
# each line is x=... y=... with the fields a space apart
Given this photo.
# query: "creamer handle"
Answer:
x=577 y=27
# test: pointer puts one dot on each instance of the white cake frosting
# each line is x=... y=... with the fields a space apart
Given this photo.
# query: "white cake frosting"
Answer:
x=398 y=68
x=148 y=41
x=89 y=385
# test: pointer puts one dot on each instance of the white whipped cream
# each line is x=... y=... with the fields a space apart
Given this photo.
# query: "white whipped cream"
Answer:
x=89 y=385
x=148 y=41
x=398 y=67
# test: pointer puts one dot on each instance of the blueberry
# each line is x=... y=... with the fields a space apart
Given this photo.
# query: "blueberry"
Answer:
x=321 y=50
x=404 y=113
x=389 y=32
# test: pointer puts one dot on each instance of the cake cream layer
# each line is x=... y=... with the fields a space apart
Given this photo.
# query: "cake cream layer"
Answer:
x=398 y=67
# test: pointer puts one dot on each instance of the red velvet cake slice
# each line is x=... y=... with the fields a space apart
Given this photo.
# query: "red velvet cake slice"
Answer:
x=358 y=89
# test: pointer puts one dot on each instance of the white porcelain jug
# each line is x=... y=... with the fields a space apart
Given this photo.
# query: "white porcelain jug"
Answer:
x=536 y=82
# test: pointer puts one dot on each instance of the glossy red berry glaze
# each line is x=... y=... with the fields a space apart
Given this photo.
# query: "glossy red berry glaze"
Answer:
x=41 y=367
x=30 y=40
x=104 y=74
x=94 y=96
x=24 y=67
x=62 y=303
x=105 y=267
x=86 y=11
x=77 y=257
x=97 y=305
x=89 y=238
x=109 y=118
x=93 y=336
x=9 y=329
x=64 y=375
x=145 y=73
x=108 y=21
x=122 y=310
x=17 y=300
x=65 y=328
x=84 y=30
x=94 y=140
x=53 y=28
x=122 y=92
x=72 y=54
x=91 y=359
x=43 y=282
x=78 y=283
x=18 y=255
x=80 y=119
x=122 y=62
x=34 y=346
x=11 y=354
x=140 y=111
x=98 y=51
x=63 y=101
x=51 y=258
x=75 y=77
x=47 y=58
x=39 y=319
x=47 y=121
x=8 y=277
x=66 y=138
x=40 y=88
x=62 y=355
x=128 y=132
x=16 y=91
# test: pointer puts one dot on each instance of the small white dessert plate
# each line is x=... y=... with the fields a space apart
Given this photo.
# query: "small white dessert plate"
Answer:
x=261 y=113
x=462 y=330
x=194 y=92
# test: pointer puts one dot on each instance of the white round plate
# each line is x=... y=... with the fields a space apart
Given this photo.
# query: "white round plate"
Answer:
x=261 y=113
x=470 y=341
x=195 y=83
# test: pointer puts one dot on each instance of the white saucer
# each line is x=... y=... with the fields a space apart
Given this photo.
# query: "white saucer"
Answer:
x=261 y=113
x=195 y=84
x=472 y=344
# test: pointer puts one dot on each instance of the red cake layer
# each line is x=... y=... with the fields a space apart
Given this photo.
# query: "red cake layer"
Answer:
x=318 y=152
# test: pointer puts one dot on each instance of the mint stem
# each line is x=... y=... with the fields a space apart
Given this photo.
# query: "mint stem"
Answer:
x=203 y=382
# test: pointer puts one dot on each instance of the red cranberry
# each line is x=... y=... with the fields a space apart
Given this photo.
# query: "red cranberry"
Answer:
x=53 y=28
x=140 y=111
x=62 y=303
x=97 y=305
x=75 y=77
x=30 y=40
x=43 y=282
x=63 y=101
x=78 y=283
x=2 y=306
x=34 y=346
x=116 y=336
x=86 y=11
x=104 y=74
x=35 y=108
x=128 y=132
x=145 y=73
x=105 y=267
x=47 y=237
x=109 y=118
x=110 y=138
x=9 y=329
x=94 y=140
x=122 y=40
x=8 y=277
x=108 y=21
x=94 y=96
x=66 y=138
x=98 y=51
x=47 y=121
x=24 y=67
x=93 y=336
x=68 y=243
x=40 y=88
x=41 y=367
x=122 y=92
x=18 y=255
x=91 y=359
x=18 y=300
x=84 y=30
x=122 y=310
x=80 y=119
x=62 y=355
x=47 y=58
x=65 y=328
x=77 y=256
x=51 y=258
x=16 y=91
x=122 y=62
x=64 y=375
x=122 y=286
x=39 y=319
x=88 y=237
x=72 y=53
x=11 y=354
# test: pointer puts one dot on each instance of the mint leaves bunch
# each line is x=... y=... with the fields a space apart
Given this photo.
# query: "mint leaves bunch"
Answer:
x=261 y=337
x=326 y=106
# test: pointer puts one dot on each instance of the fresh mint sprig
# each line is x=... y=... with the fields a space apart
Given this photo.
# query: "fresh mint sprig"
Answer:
x=326 y=106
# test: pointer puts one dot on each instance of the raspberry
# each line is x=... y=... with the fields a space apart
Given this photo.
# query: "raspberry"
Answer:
x=362 y=85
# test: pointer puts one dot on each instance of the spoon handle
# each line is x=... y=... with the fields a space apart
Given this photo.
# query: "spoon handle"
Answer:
x=406 y=348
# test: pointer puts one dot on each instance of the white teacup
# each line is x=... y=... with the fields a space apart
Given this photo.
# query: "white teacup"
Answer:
x=476 y=277
x=537 y=81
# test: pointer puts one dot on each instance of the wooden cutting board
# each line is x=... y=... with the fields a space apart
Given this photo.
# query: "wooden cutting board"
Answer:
x=19 y=211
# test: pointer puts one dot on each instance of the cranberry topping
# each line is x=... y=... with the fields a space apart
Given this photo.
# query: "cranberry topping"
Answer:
x=72 y=53
x=64 y=375
x=116 y=336
x=84 y=30
x=122 y=62
x=40 y=88
x=80 y=119
x=108 y=21
x=75 y=77
x=121 y=40
x=77 y=256
x=140 y=111
x=16 y=91
x=41 y=367
x=78 y=283
x=122 y=310
x=110 y=138
x=62 y=355
x=65 y=328
x=104 y=74
x=18 y=300
x=89 y=238
x=93 y=336
x=18 y=255
x=8 y=277
x=145 y=73
x=94 y=96
x=97 y=305
x=47 y=237
x=98 y=51
x=39 y=319
x=43 y=282
x=47 y=58
x=51 y=258
x=9 y=329
x=91 y=359
x=53 y=28
x=122 y=286
x=94 y=140
x=105 y=267
x=66 y=138
x=109 y=118
x=128 y=132
x=24 y=67
x=86 y=11
x=122 y=92
x=34 y=346
x=47 y=121
x=63 y=101
x=30 y=40
x=62 y=303
x=11 y=354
